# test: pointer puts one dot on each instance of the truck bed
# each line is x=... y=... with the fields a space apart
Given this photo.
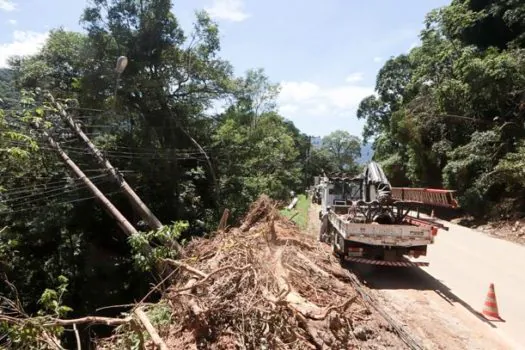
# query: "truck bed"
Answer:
x=406 y=235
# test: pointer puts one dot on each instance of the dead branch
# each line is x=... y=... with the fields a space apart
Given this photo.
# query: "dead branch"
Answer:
x=312 y=265
x=141 y=302
x=108 y=321
x=303 y=322
x=332 y=308
x=157 y=340
x=186 y=267
x=52 y=341
x=295 y=241
x=224 y=220
x=271 y=288
x=209 y=276
x=77 y=337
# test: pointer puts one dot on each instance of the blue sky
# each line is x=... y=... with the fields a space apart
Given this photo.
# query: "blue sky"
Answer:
x=325 y=54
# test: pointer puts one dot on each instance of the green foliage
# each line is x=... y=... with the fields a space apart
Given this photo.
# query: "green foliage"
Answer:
x=255 y=160
x=153 y=122
x=27 y=332
x=129 y=337
x=450 y=111
x=343 y=150
x=51 y=300
x=299 y=214
x=160 y=240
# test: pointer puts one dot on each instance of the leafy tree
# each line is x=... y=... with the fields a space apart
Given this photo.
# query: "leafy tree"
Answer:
x=262 y=157
x=456 y=95
x=255 y=93
x=153 y=123
x=8 y=93
x=343 y=149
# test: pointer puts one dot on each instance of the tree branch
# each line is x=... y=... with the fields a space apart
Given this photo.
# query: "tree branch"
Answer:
x=143 y=318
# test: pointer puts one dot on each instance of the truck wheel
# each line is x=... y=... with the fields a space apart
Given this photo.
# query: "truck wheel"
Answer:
x=323 y=230
x=336 y=252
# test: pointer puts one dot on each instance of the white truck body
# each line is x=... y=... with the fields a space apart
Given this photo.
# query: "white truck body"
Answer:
x=363 y=228
x=381 y=235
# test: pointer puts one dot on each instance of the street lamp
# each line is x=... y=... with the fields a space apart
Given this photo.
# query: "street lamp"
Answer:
x=122 y=63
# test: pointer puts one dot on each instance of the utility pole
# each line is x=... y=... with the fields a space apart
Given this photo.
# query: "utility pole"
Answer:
x=307 y=165
x=142 y=209
x=124 y=224
x=135 y=200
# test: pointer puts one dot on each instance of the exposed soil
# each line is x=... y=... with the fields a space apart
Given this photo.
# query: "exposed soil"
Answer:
x=266 y=285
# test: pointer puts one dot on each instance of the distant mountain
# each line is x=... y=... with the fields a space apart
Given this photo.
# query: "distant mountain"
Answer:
x=366 y=154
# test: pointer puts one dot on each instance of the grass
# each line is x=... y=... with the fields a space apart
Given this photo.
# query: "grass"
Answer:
x=299 y=214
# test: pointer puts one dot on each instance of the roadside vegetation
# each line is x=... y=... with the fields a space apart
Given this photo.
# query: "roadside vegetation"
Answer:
x=450 y=112
x=299 y=214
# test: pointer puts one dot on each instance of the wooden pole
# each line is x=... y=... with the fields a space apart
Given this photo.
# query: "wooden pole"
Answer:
x=135 y=200
x=124 y=224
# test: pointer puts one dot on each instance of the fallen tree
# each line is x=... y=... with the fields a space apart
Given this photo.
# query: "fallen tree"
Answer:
x=264 y=285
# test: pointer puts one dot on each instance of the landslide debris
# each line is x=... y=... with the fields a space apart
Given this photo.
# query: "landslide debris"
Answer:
x=265 y=285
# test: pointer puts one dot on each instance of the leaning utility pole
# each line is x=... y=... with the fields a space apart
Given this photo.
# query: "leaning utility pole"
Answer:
x=135 y=200
x=126 y=226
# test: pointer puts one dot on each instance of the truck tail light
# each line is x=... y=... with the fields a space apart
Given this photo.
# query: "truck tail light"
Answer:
x=355 y=251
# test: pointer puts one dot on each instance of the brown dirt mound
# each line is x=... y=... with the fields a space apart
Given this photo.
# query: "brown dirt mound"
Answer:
x=267 y=286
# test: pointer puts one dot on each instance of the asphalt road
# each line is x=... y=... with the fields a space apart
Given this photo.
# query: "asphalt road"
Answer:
x=467 y=261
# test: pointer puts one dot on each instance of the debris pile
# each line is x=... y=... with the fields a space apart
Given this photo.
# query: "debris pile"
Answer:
x=267 y=286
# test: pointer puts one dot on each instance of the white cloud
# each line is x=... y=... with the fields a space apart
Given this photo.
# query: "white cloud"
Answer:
x=24 y=43
x=7 y=5
x=306 y=99
x=229 y=10
x=12 y=22
x=298 y=91
x=288 y=109
x=378 y=59
x=354 y=77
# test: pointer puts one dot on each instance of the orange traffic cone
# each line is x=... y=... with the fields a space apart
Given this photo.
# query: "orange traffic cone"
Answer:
x=491 y=305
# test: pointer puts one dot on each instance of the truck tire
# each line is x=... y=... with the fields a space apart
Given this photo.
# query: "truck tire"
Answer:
x=324 y=229
x=335 y=251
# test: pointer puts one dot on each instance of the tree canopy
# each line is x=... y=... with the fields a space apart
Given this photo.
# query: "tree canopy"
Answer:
x=155 y=123
x=342 y=149
x=450 y=112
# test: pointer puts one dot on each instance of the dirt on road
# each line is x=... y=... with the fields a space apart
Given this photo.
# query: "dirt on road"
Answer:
x=426 y=308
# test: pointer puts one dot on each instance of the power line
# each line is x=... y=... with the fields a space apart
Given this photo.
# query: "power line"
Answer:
x=59 y=203
x=51 y=193
x=52 y=184
x=178 y=155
